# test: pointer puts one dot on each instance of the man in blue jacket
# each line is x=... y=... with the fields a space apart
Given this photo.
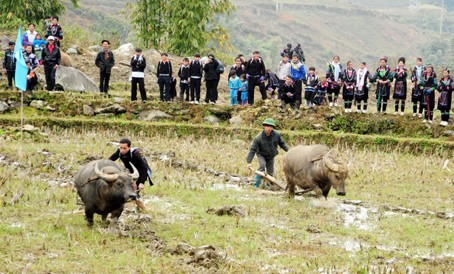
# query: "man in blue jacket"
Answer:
x=298 y=74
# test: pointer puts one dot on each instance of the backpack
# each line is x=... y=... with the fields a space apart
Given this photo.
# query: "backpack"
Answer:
x=149 y=171
x=220 y=68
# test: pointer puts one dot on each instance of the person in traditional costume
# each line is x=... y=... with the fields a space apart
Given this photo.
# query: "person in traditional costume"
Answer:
x=445 y=87
x=383 y=77
x=400 y=86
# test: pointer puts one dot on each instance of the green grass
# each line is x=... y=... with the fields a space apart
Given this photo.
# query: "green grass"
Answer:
x=45 y=231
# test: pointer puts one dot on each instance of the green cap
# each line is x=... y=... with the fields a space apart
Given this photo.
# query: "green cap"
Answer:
x=269 y=122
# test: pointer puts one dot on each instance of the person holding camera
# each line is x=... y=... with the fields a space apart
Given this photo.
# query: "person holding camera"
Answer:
x=211 y=79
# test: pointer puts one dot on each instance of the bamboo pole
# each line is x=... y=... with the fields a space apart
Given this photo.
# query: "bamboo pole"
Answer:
x=270 y=178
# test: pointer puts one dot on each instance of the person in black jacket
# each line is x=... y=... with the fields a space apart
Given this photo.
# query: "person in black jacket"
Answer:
x=55 y=31
x=183 y=73
x=288 y=93
x=265 y=146
x=32 y=79
x=9 y=64
x=173 y=87
x=128 y=156
x=164 y=74
x=51 y=60
x=195 y=78
x=211 y=79
x=138 y=64
x=104 y=61
x=256 y=72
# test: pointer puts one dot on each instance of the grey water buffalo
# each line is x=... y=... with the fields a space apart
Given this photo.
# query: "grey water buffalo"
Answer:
x=314 y=168
x=104 y=187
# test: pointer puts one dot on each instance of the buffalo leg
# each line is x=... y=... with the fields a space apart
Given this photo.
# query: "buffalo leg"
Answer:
x=89 y=216
x=318 y=192
x=114 y=215
x=326 y=191
x=104 y=218
x=291 y=188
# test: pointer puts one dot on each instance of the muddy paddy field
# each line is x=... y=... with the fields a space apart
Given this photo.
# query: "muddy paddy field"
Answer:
x=205 y=217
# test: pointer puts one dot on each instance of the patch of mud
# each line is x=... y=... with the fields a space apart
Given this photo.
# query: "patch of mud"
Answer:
x=4 y=160
x=89 y=158
x=352 y=246
x=235 y=187
x=204 y=258
x=358 y=216
x=267 y=222
x=329 y=203
x=273 y=269
x=445 y=258
x=313 y=229
x=230 y=210
x=184 y=164
x=414 y=211
x=15 y=225
x=248 y=197
x=136 y=226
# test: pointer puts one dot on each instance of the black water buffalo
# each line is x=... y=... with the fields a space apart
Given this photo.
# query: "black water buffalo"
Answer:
x=104 y=187
x=314 y=168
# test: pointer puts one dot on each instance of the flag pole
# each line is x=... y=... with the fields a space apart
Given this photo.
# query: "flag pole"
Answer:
x=21 y=115
x=20 y=76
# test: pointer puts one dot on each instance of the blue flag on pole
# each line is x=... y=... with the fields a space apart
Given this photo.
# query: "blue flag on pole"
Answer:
x=21 y=67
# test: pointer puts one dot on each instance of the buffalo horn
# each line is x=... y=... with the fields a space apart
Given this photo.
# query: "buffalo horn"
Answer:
x=330 y=164
x=104 y=176
x=135 y=173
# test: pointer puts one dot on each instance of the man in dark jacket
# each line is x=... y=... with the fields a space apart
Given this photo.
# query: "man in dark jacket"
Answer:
x=9 y=64
x=138 y=65
x=256 y=72
x=105 y=61
x=164 y=74
x=211 y=79
x=265 y=146
x=195 y=78
x=130 y=156
x=51 y=60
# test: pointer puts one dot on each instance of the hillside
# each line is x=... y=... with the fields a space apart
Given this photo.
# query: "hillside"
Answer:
x=353 y=30
x=350 y=28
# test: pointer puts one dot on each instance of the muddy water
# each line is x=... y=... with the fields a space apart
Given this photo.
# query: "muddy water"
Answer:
x=358 y=216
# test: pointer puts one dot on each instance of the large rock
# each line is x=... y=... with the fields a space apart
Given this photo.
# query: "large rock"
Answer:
x=71 y=51
x=77 y=48
x=3 y=107
x=95 y=48
x=211 y=119
x=115 y=109
x=4 y=42
x=236 y=121
x=88 y=111
x=71 y=79
x=153 y=115
x=150 y=68
x=126 y=50
x=152 y=53
x=66 y=60
x=37 y=104
x=125 y=63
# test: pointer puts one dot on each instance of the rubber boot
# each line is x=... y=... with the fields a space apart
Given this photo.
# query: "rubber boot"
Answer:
x=257 y=181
